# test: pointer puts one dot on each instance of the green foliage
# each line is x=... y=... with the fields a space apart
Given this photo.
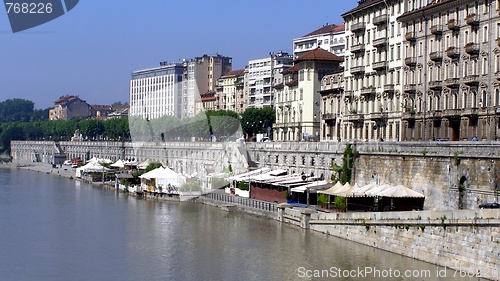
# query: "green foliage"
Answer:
x=257 y=120
x=16 y=110
x=340 y=203
x=243 y=185
x=456 y=160
x=13 y=132
x=323 y=200
x=347 y=164
x=151 y=166
x=223 y=123
x=337 y=169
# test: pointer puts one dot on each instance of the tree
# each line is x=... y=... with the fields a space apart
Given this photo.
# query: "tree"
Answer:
x=13 y=132
x=257 y=120
x=223 y=123
x=347 y=164
x=16 y=110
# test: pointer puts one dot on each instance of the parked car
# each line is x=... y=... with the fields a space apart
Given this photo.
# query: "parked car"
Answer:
x=489 y=206
x=67 y=163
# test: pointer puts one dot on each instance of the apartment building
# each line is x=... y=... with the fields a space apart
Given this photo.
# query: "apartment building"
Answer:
x=329 y=37
x=373 y=85
x=298 y=102
x=230 y=91
x=157 y=92
x=69 y=107
x=452 y=70
x=261 y=74
x=332 y=99
x=207 y=101
x=200 y=76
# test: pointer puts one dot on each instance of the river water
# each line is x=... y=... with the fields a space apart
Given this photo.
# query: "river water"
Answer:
x=59 y=229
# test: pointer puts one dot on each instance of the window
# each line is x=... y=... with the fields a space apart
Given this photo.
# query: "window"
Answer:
x=485 y=34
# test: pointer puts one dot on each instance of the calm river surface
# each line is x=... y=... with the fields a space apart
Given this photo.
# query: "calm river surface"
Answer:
x=58 y=229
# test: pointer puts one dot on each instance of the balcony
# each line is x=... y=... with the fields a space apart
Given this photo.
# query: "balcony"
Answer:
x=451 y=113
x=378 y=116
x=410 y=88
x=389 y=88
x=437 y=29
x=368 y=90
x=381 y=65
x=436 y=56
x=472 y=20
x=452 y=52
x=357 y=70
x=452 y=82
x=436 y=85
x=355 y=117
x=329 y=116
x=453 y=25
x=411 y=61
x=381 y=42
x=409 y=116
x=436 y=114
x=410 y=36
x=471 y=80
x=378 y=20
x=470 y=112
x=472 y=48
x=357 y=27
x=358 y=48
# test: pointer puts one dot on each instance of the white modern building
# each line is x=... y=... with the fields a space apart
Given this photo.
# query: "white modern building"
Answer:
x=157 y=92
x=330 y=37
x=261 y=75
x=200 y=76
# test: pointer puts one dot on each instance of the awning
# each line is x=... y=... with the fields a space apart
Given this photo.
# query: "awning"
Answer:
x=401 y=191
x=312 y=186
x=245 y=176
x=124 y=176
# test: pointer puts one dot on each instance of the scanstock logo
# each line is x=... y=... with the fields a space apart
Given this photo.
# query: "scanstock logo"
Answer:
x=25 y=14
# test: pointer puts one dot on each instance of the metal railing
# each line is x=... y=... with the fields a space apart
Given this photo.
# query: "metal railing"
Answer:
x=242 y=201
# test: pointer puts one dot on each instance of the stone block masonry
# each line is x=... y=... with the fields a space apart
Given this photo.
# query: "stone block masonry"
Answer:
x=452 y=175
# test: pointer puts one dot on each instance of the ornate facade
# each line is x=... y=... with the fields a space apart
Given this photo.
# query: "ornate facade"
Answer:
x=451 y=72
x=373 y=71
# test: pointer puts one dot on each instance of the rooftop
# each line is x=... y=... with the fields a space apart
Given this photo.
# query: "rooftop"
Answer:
x=329 y=28
x=319 y=54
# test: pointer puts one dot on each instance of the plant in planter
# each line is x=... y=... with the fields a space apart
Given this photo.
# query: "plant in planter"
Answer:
x=340 y=203
x=323 y=200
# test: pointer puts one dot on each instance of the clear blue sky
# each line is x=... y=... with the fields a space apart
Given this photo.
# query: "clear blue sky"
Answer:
x=92 y=50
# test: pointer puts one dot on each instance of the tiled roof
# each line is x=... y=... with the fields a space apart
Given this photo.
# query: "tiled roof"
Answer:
x=361 y=5
x=237 y=73
x=327 y=29
x=319 y=54
x=294 y=68
x=434 y=4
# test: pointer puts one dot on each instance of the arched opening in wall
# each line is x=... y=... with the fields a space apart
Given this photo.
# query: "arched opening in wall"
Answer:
x=462 y=193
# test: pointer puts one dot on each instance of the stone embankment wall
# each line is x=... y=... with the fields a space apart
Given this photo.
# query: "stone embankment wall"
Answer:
x=189 y=158
x=436 y=169
x=466 y=240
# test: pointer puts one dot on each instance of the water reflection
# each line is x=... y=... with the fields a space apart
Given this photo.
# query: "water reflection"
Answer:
x=56 y=229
